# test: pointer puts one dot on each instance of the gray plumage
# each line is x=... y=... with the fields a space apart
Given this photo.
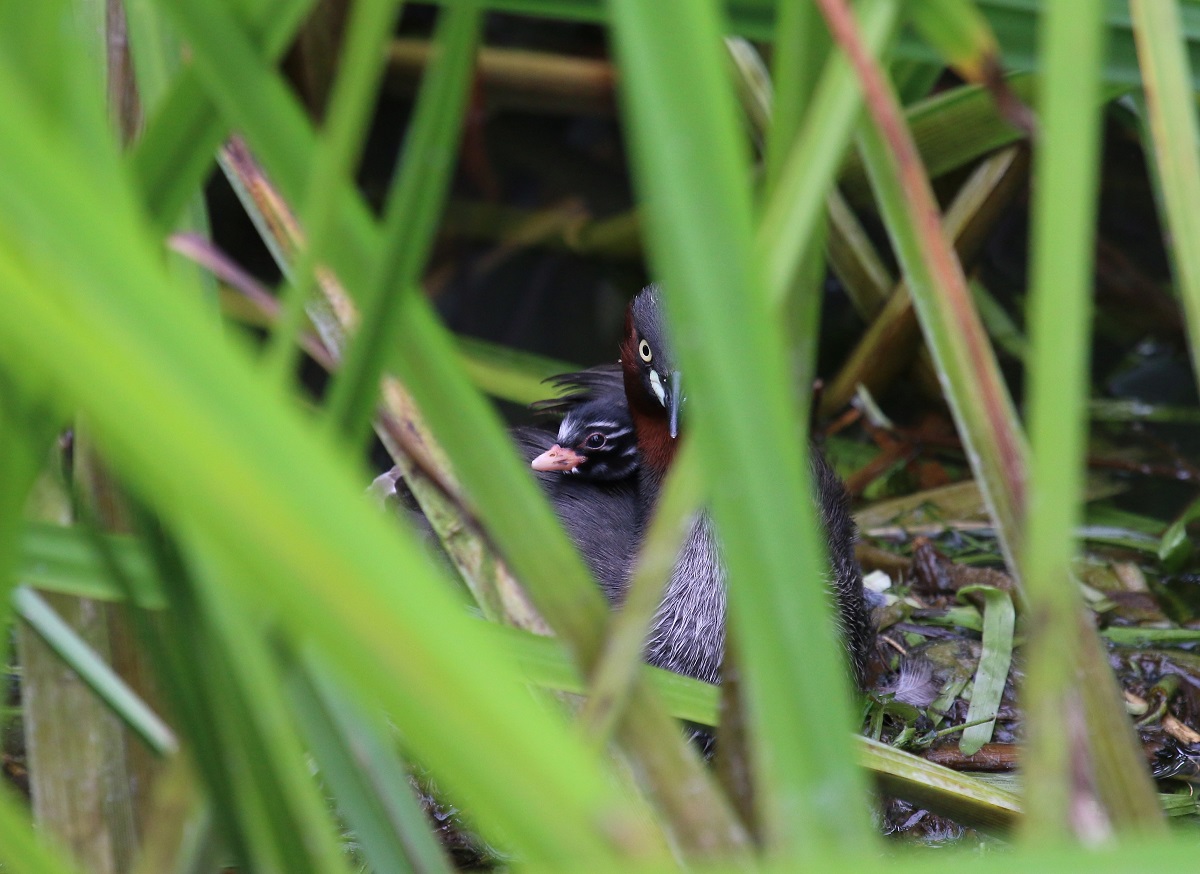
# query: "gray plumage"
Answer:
x=607 y=517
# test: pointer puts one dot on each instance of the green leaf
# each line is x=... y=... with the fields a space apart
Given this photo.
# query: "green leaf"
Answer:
x=957 y=31
x=694 y=185
x=998 y=621
x=360 y=766
x=22 y=850
x=1159 y=28
x=410 y=217
x=94 y=671
x=1065 y=174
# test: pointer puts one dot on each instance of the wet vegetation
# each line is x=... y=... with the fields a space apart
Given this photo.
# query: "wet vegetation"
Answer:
x=255 y=259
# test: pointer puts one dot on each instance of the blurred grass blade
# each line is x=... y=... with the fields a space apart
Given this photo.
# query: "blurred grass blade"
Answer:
x=544 y=663
x=157 y=57
x=800 y=50
x=232 y=71
x=1176 y=141
x=994 y=661
x=509 y=374
x=697 y=219
x=254 y=99
x=961 y=35
x=913 y=80
x=410 y=217
x=964 y=39
x=59 y=558
x=371 y=786
x=26 y=437
x=229 y=707
x=1063 y=232
x=94 y=671
x=363 y=54
x=798 y=199
x=22 y=850
x=174 y=154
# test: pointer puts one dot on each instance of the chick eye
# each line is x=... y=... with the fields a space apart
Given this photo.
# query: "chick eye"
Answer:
x=644 y=351
x=594 y=441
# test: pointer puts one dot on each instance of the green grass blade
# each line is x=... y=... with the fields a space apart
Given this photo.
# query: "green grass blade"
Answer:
x=544 y=663
x=694 y=183
x=1064 y=215
x=363 y=54
x=21 y=850
x=410 y=216
x=94 y=671
x=967 y=799
x=364 y=773
x=957 y=31
x=26 y=437
x=798 y=199
x=59 y=558
x=175 y=152
x=253 y=98
x=800 y=49
x=509 y=374
x=233 y=72
x=950 y=130
x=1176 y=139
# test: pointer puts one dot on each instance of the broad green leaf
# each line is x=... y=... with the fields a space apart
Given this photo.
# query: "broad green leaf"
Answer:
x=998 y=621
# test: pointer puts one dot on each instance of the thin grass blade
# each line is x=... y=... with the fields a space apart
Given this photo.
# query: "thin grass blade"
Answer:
x=694 y=183
x=410 y=217
x=797 y=201
x=1167 y=81
x=177 y=148
x=338 y=151
x=369 y=782
x=1064 y=215
x=94 y=671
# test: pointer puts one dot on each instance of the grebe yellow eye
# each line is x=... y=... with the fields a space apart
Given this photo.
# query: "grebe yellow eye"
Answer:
x=644 y=351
